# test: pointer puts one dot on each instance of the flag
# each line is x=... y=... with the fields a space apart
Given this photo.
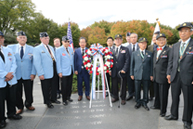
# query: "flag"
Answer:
x=156 y=29
x=69 y=35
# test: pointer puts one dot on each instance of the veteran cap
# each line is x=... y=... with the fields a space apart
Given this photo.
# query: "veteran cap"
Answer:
x=160 y=35
x=128 y=34
x=143 y=39
x=65 y=38
x=21 y=33
x=1 y=34
x=118 y=36
x=44 y=34
x=185 y=24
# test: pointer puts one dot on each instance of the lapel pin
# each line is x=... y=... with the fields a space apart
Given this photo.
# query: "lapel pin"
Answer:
x=190 y=47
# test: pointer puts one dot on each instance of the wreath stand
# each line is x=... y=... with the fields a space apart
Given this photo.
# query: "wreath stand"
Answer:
x=98 y=88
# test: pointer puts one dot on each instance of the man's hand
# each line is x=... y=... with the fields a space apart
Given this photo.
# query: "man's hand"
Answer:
x=122 y=71
x=60 y=75
x=41 y=77
x=110 y=73
x=151 y=78
x=6 y=79
x=168 y=77
x=76 y=72
x=9 y=76
x=32 y=77
x=132 y=77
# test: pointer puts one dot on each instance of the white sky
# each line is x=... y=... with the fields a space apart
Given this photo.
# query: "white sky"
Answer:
x=86 y=12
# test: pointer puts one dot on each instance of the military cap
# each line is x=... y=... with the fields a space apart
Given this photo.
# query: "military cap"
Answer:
x=160 y=35
x=44 y=34
x=185 y=24
x=118 y=36
x=143 y=39
x=1 y=34
x=65 y=38
x=21 y=33
x=128 y=34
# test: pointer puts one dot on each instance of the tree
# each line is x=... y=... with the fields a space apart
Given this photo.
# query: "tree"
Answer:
x=85 y=33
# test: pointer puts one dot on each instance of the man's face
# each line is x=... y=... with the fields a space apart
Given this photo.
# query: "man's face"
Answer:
x=45 y=40
x=82 y=43
x=142 y=45
x=110 y=42
x=118 y=41
x=66 y=43
x=154 y=38
x=2 y=39
x=57 y=43
x=128 y=39
x=133 y=38
x=22 y=40
x=185 y=33
x=161 y=41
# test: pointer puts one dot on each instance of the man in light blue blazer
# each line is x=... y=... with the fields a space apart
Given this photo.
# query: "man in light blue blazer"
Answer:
x=8 y=83
x=45 y=63
x=25 y=72
x=65 y=68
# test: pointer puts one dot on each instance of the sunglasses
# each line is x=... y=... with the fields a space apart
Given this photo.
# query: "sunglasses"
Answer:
x=66 y=41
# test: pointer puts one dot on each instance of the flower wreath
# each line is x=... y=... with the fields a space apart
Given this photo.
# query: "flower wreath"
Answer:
x=92 y=51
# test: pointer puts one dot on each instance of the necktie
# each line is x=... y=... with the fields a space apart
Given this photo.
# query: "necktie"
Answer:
x=82 y=51
x=21 y=52
x=183 y=46
x=133 y=48
x=50 y=53
x=2 y=56
x=143 y=53
x=159 y=49
x=67 y=50
x=117 y=52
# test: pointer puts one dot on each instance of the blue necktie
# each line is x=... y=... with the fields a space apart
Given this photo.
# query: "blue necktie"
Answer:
x=21 y=52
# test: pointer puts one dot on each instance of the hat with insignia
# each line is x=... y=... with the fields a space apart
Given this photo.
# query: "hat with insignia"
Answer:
x=65 y=38
x=118 y=36
x=1 y=34
x=21 y=33
x=44 y=34
x=185 y=24
x=128 y=34
x=160 y=35
x=143 y=39
x=157 y=32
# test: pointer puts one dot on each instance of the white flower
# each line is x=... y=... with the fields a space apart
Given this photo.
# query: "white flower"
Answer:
x=86 y=58
x=106 y=51
x=89 y=65
x=107 y=63
x=89 y=52
x=108 y=56
x=99 y=69
x=105 y=68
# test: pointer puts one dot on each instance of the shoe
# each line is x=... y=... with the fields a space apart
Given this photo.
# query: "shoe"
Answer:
x=153 y=107
x=187 y=126
x=31 y=108
x=123 y=102
x=79 y=98
x=58 y=95
x=15 y=117
x=50 y=106
x=70 y=100
x=3 y=124
x=88 y=97
x=56 y=101
x=151 y=98
x=129 y=98
x=107 y=94
x=20 y=111
x=170 y=117
x=138 y=105
x=146 y=107
x=65 y=103
x=162 y=114
x=114 y=100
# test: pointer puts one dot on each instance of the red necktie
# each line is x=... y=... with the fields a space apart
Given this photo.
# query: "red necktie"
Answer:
x=159 y=49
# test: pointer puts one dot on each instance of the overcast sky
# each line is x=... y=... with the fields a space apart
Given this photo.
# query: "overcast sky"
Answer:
x=86 y=12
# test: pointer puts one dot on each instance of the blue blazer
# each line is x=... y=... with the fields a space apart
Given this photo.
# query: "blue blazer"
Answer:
x=141 y=69
x=78 y=60
x=25 y=65
x=8 y=66
x=42 y=61
x=65 y=62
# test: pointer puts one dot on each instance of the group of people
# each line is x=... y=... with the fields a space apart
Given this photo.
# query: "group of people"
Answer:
x=154 y=69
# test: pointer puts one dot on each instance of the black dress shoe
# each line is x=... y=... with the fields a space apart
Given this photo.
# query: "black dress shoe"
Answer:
x=65 y=103
x=187 y=126
x=107 y=94
x=153 y=107
x=70 y=100
x=138 y=105
x=170 y=117
x=162 y=114
x=56 y=101
x=2 y=124
x=114 y=100
x=50 y=106
x=129 y=98
x=146 y=107
x=58 y=95
x=15 y=117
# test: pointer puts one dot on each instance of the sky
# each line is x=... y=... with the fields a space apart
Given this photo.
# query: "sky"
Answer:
x=86 y=12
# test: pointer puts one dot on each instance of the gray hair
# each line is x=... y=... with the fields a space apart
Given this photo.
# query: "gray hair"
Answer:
x=134 y=34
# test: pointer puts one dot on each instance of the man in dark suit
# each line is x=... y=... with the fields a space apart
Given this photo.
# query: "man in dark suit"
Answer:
x=133 y=46
x=153 y=87
x=141 y=71
x=80 y=71
x=180 y=74
x=160 y=61
x=120 y=63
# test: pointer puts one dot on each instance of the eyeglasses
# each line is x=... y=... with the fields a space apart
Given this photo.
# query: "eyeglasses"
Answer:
x=161 y=39
x=185 y=31
x=66 y=41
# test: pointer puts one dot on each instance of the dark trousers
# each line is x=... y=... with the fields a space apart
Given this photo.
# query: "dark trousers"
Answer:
x=157 y=95
x=163 y=92
x=151 y=89
x=176 y=87
x=115 y=81
x=145 y=84
x=55 y=84
x=28 y=88
x=66 y=87
x=131 y=85
x=83 y=76
x=9 y=94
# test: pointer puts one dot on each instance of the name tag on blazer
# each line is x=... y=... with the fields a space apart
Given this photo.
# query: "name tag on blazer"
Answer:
x=164 y=56
x=148 y=55
x=63 y=54
x=123 y=51
x=30 y=55
x=43 y=51
x=189 y=53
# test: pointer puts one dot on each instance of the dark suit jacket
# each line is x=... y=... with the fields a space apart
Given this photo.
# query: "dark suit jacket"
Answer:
x=130 y=48
x=141 y=68
x=120 y=63
x=150 y=48
x=186 y=63
x=160 y=65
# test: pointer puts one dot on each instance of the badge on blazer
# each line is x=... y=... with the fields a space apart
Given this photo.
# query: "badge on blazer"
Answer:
x=148 y=56
x=123 y=51
x=146 y=53
x=164 y=56
x=10 y=59
x=190 y=47
x=164 y=52
x=43 y=51
x=9 y=54
x=63 y=54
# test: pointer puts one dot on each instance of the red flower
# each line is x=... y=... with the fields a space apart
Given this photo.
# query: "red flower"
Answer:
x=86 y=51
x=90 y=72
x=111 y=66
x=84 y=63
x=97 y=73
x=107 y=71
x=88 y=61
x=111 y=60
